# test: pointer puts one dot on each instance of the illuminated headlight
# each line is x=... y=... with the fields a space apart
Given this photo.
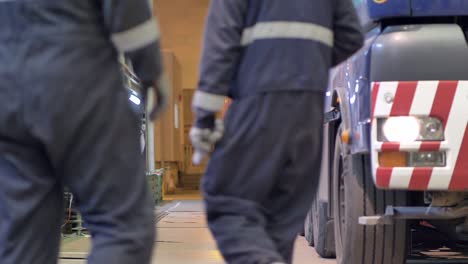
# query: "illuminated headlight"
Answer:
x=410 y=129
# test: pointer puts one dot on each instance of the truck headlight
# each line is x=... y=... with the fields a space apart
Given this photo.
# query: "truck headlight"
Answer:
x=410 y=129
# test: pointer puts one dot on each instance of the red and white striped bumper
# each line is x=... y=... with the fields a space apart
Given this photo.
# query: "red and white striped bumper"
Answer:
x=446 y=100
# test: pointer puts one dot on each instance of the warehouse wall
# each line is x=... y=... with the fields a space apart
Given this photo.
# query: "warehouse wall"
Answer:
x=182 y=23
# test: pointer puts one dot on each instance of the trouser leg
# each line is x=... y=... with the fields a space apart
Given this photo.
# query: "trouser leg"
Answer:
x=94 y=143
x=285 y=247
x=105 y=172
x=31 y=195
x=290 y=200
x=31 y=210
x=262 y=176
x=297 y=183
x=236 y=182
x=238 y=226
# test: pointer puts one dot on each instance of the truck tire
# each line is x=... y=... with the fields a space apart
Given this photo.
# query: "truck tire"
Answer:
x=355 y=195
x=309 y=230
x=323 y=233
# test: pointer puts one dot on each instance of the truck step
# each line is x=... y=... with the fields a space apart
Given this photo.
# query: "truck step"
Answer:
x=372 y=220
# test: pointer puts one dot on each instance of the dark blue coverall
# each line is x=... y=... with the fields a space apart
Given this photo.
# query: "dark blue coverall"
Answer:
x=66 y=120
x=272 y=58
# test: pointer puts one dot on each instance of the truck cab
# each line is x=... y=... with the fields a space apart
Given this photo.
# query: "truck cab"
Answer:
x=396 y=137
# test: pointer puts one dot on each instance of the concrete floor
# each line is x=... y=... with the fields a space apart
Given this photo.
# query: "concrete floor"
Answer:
x=183 y=237
x=183 y=195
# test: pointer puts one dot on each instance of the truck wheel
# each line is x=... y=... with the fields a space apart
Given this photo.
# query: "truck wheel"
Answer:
x=324 y=238
x=355 y=195
x=309 y=230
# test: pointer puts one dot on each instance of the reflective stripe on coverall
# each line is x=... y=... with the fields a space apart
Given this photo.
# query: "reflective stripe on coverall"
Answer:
x=65 y=120
x=272 y=58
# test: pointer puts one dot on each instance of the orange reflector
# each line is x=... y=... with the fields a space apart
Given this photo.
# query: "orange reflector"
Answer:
x=393 y=159
x=346 y=137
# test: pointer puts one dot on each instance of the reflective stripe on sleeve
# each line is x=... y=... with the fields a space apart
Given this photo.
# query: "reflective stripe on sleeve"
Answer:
x=137 y=37
x=208 y=101
x=287 y=30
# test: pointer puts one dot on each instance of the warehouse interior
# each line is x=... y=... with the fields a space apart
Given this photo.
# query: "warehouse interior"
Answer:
x=181 y=24
x=174 y=180
x=182 y=233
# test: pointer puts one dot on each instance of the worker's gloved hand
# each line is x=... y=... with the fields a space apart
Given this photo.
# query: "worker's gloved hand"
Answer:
x=205 y=133
x=161 y=97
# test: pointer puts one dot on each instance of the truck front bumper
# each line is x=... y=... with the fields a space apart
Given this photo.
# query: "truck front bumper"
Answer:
x=444 y=100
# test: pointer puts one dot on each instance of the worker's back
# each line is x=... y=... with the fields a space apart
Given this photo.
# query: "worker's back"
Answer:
x=55 y=39
x=283 y=45
x=292 y=62
x=78 y=18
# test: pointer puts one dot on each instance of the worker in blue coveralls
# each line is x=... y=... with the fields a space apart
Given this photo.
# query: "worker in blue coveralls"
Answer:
x=272 y=58
x=66 y=119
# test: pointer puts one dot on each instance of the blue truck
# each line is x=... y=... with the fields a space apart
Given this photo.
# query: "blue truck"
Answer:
x=396 y=137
